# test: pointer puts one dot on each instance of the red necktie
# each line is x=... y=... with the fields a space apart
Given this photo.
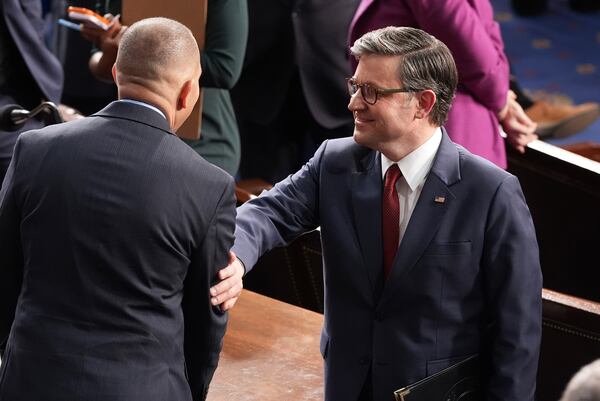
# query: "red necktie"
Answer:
x=390 y=218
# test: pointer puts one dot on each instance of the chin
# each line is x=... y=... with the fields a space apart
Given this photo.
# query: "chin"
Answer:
x=360 y=137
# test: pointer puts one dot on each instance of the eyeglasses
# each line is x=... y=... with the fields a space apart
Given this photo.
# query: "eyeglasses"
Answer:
x=369 y=93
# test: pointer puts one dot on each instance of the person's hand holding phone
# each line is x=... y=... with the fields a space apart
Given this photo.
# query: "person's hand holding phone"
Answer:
x=108 y=43
x=109 y=40
x=96 y=34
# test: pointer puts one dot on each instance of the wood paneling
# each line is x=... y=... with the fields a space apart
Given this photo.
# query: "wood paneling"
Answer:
x=563 y=194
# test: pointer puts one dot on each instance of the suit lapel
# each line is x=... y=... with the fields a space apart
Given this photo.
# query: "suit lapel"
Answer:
x=427 y=215
x=366 y=201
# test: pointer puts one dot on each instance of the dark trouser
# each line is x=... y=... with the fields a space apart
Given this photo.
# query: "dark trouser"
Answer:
x=366 y=394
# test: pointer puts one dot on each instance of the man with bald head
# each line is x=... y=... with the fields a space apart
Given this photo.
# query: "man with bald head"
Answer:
x=112 y=231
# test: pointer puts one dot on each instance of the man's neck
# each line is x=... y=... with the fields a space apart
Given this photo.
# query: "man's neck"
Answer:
x=141 y=94
x=144 y=104
x=398 y=150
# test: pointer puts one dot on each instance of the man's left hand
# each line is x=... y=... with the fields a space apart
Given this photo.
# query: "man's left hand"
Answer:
x=228 y=290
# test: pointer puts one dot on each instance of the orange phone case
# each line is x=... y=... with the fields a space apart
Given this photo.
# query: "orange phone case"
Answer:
x=85 y=15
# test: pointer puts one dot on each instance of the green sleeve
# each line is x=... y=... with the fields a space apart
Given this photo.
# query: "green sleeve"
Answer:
x=225 y=44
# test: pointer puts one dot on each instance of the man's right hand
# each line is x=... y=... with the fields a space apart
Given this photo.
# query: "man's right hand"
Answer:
x=228 y=290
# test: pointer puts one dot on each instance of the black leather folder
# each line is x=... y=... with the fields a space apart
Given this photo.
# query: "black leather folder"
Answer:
x=459 y=382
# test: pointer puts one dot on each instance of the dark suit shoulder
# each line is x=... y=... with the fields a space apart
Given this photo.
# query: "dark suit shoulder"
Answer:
x=37 y=142
x=344 y=155
x=193 y=163
x=479 y=171
x=55 y=132
x=150 y=148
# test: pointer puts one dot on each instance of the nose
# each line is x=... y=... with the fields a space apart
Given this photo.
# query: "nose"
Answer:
x=356 y=102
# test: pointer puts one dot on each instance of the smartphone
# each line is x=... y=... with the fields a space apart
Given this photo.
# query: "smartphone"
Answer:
x=88 y=17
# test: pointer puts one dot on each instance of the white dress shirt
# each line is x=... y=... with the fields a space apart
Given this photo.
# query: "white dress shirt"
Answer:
x=415 y=168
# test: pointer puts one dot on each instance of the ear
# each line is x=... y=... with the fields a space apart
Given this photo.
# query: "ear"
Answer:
x=114 y=72
x=427 y=100
x=183 y=99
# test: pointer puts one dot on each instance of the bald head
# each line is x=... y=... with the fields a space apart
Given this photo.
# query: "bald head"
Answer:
x=156 y=49
x=585 y=384
x=158 y=62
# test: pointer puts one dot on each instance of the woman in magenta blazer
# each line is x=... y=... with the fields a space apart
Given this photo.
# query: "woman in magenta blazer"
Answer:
x=483 y=99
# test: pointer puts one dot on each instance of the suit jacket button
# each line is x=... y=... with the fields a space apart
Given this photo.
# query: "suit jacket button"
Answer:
x=364 y=360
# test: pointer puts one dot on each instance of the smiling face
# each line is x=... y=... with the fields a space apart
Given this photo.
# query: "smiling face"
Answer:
x=394 y=121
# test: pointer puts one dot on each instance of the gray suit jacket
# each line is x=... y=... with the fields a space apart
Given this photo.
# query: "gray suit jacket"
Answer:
x=111 y=233
x=466 y=278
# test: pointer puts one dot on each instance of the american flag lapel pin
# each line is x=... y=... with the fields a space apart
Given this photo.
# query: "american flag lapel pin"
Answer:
x=439 y=199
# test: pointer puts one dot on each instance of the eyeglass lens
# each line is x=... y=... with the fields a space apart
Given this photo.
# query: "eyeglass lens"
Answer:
x=368 y=92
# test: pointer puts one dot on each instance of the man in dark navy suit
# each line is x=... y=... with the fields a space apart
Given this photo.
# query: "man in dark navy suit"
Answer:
x=111 y=233
x=29 y=72
x=429 y=251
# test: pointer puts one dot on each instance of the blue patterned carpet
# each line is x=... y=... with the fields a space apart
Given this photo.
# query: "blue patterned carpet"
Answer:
x=555 y=55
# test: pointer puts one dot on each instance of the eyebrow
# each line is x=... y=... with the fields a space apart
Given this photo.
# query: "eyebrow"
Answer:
x=365 y=82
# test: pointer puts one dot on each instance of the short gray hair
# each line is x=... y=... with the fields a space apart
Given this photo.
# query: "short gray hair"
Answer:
x=153 y=47
x=585 y=385
x=425 y=63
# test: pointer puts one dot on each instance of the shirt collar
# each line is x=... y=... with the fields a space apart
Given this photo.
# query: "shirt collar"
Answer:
x=416 y=165
x=156 y=109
